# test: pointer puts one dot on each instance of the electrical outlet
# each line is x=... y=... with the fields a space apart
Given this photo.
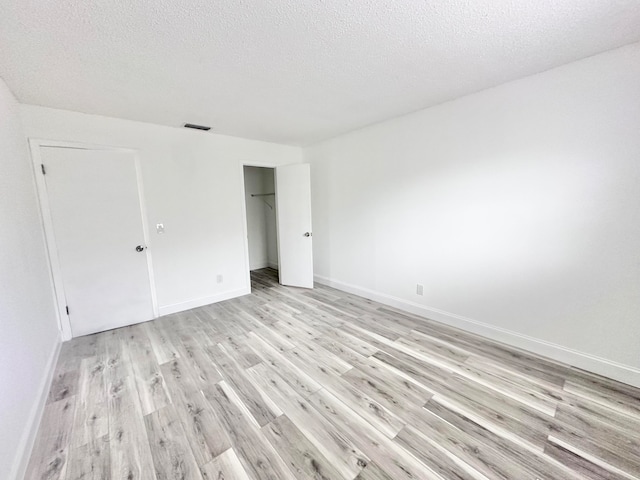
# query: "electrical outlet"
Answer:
x=419 y=289
x=160 y=228
x=219 y=278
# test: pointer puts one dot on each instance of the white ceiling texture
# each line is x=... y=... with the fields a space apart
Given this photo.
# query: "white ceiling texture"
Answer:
x=289 y=71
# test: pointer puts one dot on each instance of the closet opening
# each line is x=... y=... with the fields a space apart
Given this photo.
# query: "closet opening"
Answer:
x=260 y=201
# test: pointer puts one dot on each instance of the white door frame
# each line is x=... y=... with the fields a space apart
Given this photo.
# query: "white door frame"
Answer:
x=35 y=144
x=244 y=211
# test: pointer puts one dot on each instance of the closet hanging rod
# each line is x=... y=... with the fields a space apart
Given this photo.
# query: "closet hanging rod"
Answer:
x=261 y=194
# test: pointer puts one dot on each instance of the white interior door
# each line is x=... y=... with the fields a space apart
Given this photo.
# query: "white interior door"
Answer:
x=295 y=246
x=96 y=214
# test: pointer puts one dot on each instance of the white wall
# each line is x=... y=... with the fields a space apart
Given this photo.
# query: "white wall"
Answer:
x=29 y=337
x=193 y=185
x=270 y=219
x=517 y=208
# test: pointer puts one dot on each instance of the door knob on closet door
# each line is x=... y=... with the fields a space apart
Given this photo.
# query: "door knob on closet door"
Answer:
x=140 y=248
x=308 y=234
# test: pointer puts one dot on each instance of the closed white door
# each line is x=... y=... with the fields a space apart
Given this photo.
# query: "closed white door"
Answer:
x=96 y=214
x=295 y=245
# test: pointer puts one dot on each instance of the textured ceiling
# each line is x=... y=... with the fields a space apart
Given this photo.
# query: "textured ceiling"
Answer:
x=289 y=71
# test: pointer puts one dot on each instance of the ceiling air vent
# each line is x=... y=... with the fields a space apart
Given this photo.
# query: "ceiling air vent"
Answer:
x=196 y=127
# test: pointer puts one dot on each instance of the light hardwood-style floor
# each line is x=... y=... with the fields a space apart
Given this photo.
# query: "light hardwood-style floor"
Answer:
x=318 y=384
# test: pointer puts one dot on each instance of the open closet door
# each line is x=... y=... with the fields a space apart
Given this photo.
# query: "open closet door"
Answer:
x=295 y=246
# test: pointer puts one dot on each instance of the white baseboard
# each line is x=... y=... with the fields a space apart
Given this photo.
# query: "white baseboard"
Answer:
x=601 y=366
x=199 y=302
x=28 y=438
x=259 y=266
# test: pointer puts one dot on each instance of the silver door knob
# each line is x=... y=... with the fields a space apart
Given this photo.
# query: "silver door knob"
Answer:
x=308 y=234
x=140 y=248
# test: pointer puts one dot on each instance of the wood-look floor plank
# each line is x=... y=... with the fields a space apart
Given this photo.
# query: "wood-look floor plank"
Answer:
x=161 y=343
x=431 y=452
x=145 y=370
x=598 y=430
x=623 y=403
x=496 y=368
x=203 y=430
x=334 y=445
x=605 y=385
x=64 y=385
x=326 y=357
x=372 y=377
x=352 y=341
x=264 y=316
x=172 y=457
x=238 y=347
x=580 y=465
x=201 y=321
x=320 y=318
x=365 y=405
x=589 y=409
x=91 y=419
x=393 y=459
x=341 y=350
x=203 y=371
x=531 y=397
x=73 y=352
x=226 y=466
x=373 y=472
x=620 y=459
x=130 y=452
x=379 y=327
x=517 y=451
x=438 y=443
x=603 y=463
x=372 y=340
x=531 y=425
x=515 y=358
x=314 y=368
x=257 y=456
x=225 y=318
x=251 y=322
x=261 y=410
x=50 y=456
x=274 y=339
x=117 y=362
x=296 y=377
x=90 y=461
x=301 y=456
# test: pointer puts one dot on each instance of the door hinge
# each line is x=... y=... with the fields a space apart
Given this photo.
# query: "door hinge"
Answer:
x=44 y=172
x=67 y=309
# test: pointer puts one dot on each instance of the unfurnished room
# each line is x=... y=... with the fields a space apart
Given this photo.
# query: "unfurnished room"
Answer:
x=320 y=240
